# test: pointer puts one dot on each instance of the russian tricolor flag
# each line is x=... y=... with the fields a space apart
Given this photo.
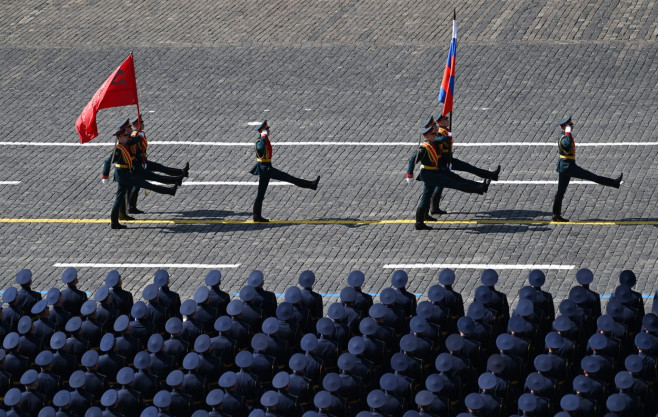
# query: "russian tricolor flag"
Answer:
x=448 y=83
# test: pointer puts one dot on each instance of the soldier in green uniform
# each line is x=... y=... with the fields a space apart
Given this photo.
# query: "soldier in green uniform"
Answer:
x=454 y=164
x=435 y=175
x=123 y=175
x=148 y=164
x=567 y=169
x=134 y=146
x=265 y=170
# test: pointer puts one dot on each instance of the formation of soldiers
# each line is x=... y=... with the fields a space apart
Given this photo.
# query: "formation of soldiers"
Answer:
x=438 y=163
x=218 y=355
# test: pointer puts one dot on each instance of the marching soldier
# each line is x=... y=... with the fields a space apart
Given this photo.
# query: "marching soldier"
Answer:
x=310 y=299
x=266 y=171
x=122 y=298
x=26 y=296
x=168 y=298
x=49 y=383
x=95 y=382
x=567 y=169
x=265 y=299
x=32 y=399
x=453 y=163
x=433 y=174
x=13 y=312
x=72 y=297
x=147 y=164
x=364 y=301
x=123 y=175
x=76 y=345
x=217 y=298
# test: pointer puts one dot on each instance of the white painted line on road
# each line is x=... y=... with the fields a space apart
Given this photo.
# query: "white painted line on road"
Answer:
x=9 y=182
x=511 y=182
x=540 y=182
x=253 y=123
x=232 y=183
x=328 y=143
x=592 y=144
x=127 y=265
x=477 y=266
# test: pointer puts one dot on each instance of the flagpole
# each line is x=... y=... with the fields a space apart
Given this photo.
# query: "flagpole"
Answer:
x=131 y=54
x=116 y=139
x=454 y=18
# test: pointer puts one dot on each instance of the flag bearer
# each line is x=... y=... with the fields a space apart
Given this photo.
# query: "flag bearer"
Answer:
x=433 y=175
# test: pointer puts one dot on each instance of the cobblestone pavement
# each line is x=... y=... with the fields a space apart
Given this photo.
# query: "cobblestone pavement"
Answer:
x=330 y=71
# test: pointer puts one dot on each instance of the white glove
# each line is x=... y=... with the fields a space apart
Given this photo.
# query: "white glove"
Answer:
x=450 y=166
x=408 y=180
x=104 y=180
x=567 y=129
x=144 y=166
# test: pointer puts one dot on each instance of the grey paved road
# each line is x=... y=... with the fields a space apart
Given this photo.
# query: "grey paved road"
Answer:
x=329 y=71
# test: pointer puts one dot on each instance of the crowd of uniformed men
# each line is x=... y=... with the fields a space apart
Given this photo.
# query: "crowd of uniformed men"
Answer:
x=215 y=355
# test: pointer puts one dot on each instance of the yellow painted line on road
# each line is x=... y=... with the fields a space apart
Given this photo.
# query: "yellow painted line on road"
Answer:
x=347 y=222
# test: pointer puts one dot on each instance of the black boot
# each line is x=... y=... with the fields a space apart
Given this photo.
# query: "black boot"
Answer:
x=179 y=180
x=258 y=207
x=172 y=190
x=428 y=218
x=132 y=203
x=618 y=181
x=434 y=204
x=557 y=210
x=122 y=213
x=114 y=219
x=314 y=184
x=186 y=170
x=484 y=186
x=494 y=175
x=124 y=216
x=420 y=220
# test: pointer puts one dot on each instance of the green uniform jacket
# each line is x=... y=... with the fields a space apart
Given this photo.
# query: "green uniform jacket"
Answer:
x=567 y=152
x=106 y=162
x=424 y=157
x=263 y=155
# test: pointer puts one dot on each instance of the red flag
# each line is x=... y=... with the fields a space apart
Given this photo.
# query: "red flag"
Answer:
x=120 y=89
